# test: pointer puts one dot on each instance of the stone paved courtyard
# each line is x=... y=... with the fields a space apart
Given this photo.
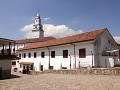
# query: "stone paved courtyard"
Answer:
x=60 y=82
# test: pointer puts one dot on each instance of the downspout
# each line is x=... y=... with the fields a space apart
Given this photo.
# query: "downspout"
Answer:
x=70 y=61
x=119 y=54
x=94 y=54
x=49 y=57
x=92 y=58
x=74 y=54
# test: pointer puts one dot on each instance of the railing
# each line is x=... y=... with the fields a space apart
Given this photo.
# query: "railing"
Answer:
x=109 y=53
x=7 y=52
x=8 y=57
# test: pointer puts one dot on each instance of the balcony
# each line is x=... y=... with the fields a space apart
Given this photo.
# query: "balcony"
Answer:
x=110 y=53
x=8 y=57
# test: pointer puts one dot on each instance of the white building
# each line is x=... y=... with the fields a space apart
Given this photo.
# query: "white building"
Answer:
x=38 y=36
x=5 y=57
x=23 y=43
x=93 y=49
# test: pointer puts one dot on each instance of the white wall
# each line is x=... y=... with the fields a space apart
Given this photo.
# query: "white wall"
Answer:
x=84 y=62
x=104 y=45
x=59 y=61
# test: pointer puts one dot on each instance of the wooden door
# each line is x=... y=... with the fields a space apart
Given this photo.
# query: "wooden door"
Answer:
x=41 y=67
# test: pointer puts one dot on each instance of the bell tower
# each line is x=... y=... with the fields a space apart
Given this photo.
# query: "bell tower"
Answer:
x=37 y=27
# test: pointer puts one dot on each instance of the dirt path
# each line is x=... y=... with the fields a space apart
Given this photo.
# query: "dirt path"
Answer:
x=61 y=82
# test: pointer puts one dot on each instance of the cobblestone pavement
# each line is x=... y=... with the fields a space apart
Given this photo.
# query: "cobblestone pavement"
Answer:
x=60 y=82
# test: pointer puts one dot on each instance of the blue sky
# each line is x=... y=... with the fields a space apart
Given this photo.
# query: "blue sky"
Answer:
x=85 y=15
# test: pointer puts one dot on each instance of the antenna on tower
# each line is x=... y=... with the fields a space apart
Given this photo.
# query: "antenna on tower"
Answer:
x=38 y=12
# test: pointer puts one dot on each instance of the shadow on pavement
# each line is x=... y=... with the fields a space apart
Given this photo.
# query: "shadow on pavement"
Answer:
x=11 y=77
x=14 y=76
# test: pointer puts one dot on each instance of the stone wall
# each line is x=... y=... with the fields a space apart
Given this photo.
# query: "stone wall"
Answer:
x=32 y=72
x=95 y=71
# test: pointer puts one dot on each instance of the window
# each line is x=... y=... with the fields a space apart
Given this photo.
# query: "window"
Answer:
x=52 y=54
x=24 y=55
x=42 y=54
x=65 y=53
x=82 y=53
x=13 y=62
x=109 y=41
x=29 y=55
x=19 y=55
x=35 y=54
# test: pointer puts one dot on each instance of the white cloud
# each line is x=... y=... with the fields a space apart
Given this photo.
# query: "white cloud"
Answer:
x=27 y=28
x=50 y=30
x=59 y=30
x=46 y=18
x=117 y=39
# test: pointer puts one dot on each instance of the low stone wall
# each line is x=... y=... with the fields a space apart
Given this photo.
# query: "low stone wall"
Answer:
x=32 y=72
x=95 y=71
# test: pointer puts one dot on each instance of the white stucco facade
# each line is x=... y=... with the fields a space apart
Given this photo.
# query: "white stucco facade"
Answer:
x=59 y=61
x=95 y=55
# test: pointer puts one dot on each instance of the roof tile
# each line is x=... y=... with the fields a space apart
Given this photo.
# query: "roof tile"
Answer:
x=88 y=36
x=33 y=40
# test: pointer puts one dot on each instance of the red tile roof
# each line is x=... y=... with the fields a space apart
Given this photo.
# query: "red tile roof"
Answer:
x=26 y=63
x=34 y=40
x=6 y=41
x=88 y=36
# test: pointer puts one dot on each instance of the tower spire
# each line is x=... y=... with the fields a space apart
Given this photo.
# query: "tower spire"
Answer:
x=37 y=27
x=38 y=13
